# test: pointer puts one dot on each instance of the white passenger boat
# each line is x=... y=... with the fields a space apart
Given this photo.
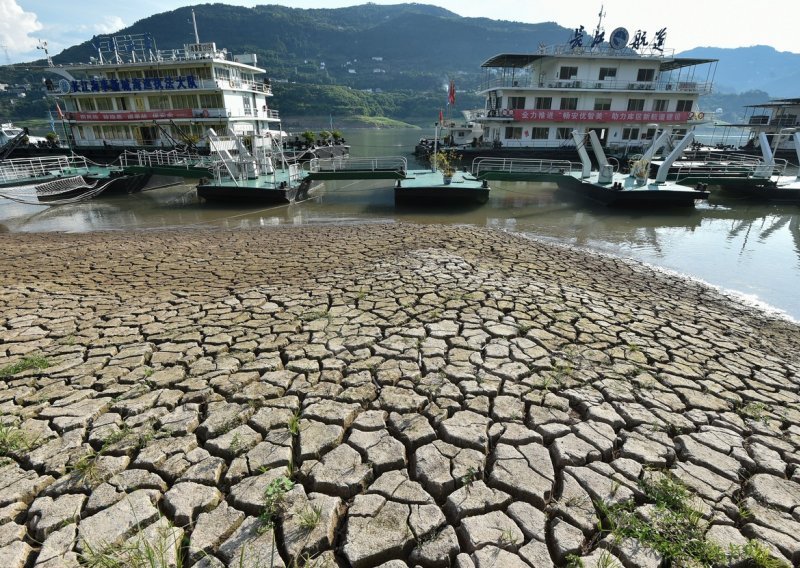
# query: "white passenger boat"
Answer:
x=618 y=86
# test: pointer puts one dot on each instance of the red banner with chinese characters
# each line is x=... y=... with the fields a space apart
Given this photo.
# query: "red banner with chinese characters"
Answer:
x=525 y=115
x=113 y=115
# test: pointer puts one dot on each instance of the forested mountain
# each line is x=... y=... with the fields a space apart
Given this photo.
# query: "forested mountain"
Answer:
x=396 y=60
x=759 y=67
x=404 y=46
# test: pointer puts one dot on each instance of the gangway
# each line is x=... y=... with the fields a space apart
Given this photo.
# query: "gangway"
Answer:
x=347 y=168
x=521 y=169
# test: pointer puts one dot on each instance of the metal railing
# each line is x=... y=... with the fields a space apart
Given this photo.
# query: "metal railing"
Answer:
x=344 y=164
x=736 y=168
x=23 y=168
x=165 y=158
x=604 y=85
x=522 y=166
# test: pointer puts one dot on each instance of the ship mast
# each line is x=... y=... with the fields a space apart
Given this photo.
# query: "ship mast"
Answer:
x=599 y=22
x=194 y=23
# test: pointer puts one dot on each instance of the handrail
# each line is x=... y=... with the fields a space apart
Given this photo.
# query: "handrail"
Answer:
x=740 y=169
x=522 y=165
x=343 y=163
x=20 y=168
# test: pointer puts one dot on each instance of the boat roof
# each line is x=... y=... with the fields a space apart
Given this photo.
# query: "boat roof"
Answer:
x=520 y=60
x=775 y=103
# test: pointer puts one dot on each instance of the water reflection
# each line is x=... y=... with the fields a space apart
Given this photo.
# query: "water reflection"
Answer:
x=737 y=245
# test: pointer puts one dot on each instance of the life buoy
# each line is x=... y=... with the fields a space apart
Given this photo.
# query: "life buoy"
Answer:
x=700 y=116
x=205 y=113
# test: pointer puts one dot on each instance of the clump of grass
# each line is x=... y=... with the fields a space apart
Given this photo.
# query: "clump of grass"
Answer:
x=86 y=467
x=754 y=411
x=674 y=529
x=273 y=500
x=310 y=517
x=24 y=364
x=161 y=552
x=12 y=440
x=294 y=424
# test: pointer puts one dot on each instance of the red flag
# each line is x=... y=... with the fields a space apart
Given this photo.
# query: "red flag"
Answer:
x=451 y=94
x=441 y=116
x=60 y=114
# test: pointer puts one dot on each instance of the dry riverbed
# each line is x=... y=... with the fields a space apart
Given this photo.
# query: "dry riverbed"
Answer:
x=384 y=395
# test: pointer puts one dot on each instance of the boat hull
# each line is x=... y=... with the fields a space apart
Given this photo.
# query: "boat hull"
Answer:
x=440 y=196
x=232 y=193
x=636 y=197
x=757 y=190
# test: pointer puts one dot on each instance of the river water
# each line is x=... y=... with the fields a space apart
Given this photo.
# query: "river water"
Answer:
x=749 y=250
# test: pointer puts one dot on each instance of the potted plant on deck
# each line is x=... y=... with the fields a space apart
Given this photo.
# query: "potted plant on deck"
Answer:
x=445 y=161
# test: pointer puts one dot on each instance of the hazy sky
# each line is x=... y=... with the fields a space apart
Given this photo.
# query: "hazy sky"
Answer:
x=720 y=23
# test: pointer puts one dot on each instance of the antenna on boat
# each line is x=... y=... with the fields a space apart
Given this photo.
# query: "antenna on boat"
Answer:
x=600 y=16
x=194 y=24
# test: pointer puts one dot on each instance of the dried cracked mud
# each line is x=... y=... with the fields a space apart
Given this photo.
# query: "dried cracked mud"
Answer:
x=377 y=395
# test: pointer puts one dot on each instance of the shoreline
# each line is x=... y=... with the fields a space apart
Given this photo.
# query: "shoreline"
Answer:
x=440 y=394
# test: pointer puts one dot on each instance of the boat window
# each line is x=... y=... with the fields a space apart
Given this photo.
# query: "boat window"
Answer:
x=540 y=133
x=103 y=103
x=684 y=105
x=158 y=103
x=211 y=101
x=184 y=101
x=646 y=75
x=563 y=133
x=635 y=104
x=513 y=132
x=568 y=72
x=602 y=104
x=122 y=103
x=660 y=105
x=87 y=104
x=607 y=73
x=544 y=103
x=630 y=133
x=569 y=103
x=516 y=102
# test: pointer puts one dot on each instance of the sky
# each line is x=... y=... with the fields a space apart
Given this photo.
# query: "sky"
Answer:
x=690 y=23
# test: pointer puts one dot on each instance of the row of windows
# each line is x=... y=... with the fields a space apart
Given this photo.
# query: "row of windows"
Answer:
x=571 y=103
x=540 y=133
x=570 y=72
x=160 y=102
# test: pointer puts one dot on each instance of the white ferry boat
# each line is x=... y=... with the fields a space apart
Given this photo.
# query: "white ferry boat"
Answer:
x=778 y=119
x=133 y=95
x=622 y=87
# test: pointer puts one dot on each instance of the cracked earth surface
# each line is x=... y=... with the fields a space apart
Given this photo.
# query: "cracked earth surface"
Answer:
x=438 y=396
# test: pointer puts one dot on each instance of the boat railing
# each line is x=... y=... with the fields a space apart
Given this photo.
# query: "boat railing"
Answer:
x=171 y=158
x=20 y=168
x=481 y=166
x=530 y=82
x=346 y=163
x=725 y=170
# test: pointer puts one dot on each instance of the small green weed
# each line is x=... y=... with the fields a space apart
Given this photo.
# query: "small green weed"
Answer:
x=12 y=439
x=24 y=364
x=161 y=552
x=310 y=516
x=675 y=529
x=273 y=500
x=294 y=424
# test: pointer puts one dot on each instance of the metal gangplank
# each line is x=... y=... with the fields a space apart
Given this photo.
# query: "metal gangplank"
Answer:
x=521 y=169
x=347 y=168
